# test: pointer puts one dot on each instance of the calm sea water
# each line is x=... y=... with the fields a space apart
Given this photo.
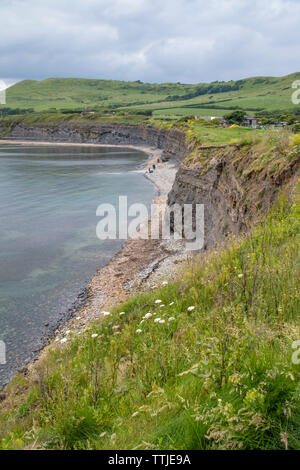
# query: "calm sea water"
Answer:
x=48 y=244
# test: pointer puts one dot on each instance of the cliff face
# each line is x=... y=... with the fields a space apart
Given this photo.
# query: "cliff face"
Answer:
x=172 y=141
x=234 y=192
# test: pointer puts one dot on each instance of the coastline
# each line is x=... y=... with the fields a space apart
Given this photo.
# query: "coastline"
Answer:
x=140 y=263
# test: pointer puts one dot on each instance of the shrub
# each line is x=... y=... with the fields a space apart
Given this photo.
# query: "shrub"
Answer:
x=295 y=140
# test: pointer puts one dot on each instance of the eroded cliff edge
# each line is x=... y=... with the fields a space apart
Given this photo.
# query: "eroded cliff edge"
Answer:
x=172 y=141
x=237 y=185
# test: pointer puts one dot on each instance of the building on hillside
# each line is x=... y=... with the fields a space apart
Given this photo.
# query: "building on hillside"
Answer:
x=249 y=122
x=222 y=121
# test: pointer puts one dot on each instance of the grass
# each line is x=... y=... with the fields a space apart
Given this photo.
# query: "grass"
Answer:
x=216 y=376
x=209 y=134
x=176 y=99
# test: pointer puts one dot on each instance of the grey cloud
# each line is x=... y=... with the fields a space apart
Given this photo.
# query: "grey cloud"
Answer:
x=151 y=40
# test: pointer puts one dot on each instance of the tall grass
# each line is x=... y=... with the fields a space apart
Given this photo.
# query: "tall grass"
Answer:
x=216 y=376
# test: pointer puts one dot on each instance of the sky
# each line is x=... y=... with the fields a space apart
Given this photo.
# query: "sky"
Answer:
x=187 y=41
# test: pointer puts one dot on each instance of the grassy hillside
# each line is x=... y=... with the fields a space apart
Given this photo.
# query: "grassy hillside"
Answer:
x=204 y=362
x=167 y=99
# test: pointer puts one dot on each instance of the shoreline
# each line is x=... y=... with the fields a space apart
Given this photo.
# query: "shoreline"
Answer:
x=129 y=270
x=153 y=152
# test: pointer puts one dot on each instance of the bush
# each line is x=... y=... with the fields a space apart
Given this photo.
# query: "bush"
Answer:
x=295 y=140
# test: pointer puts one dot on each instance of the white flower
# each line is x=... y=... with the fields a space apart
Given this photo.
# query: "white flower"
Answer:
x=102 y=434
x=165 y=283
x=94 y=335
x=171 y=319
x=106 y=313
x=138 y=331
x=148 y=315
x=240 y=275
x=157 y=320
x=142 y=321
x=134 y=414
x=64 y=340
x=122 y=313
x=68 y=332
x=162 y=305
x=162 y=321
x=78 y=318
x=115 y=327
x=158 y=301
x=191 y=308
x=172 y=303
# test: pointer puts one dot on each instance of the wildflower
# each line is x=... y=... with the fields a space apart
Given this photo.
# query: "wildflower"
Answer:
x=68 y=332
x=63 y=340
x=138 y=331
x=172 y=303
x=165 y=283
x=94 y=335
x=162 y=321
x=158 y=301
x=115 y=327
x=106 y=314
x=162 y=305
x=157 y=320
x=122 y=313
x=102 y=434
x=171 y=319
x=240 y=276
x=113 y=437
x=134 y=414
x=191 y=308
x=148 y=315
x=78 y=318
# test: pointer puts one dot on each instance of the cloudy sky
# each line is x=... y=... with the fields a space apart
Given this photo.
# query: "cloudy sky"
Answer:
x=188 y=41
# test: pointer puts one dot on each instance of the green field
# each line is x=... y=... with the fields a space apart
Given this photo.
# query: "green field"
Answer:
x=163 y=100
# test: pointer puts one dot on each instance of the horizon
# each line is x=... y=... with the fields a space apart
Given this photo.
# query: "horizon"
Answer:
x=147 y=82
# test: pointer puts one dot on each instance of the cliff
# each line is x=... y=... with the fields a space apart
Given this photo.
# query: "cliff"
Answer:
x=172 y=141
x=236 y=184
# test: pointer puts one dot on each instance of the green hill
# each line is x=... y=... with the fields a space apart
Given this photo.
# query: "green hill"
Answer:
x=166 y=99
